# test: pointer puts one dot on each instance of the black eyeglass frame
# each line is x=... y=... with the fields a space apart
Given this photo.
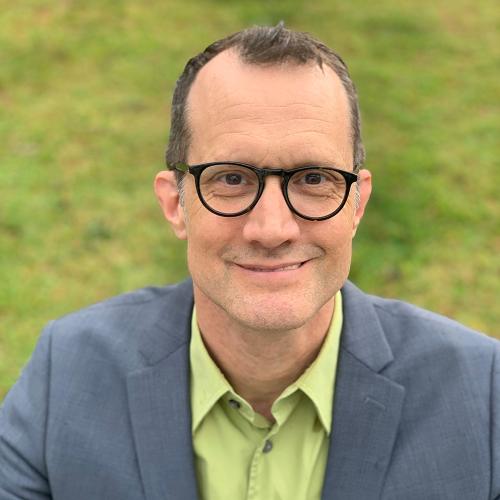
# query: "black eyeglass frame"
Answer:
x=196 y=170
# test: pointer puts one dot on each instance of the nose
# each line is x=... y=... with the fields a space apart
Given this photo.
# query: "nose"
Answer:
x=271 y=223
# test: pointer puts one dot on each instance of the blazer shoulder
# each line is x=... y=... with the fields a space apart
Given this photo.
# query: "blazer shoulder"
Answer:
x=414 y=322
x=404 y=327
x=123 y=326
x=406 y=338
x=432 y=347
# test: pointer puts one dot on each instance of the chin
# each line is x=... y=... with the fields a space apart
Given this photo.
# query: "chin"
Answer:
x=271 y=315
x=262 y=323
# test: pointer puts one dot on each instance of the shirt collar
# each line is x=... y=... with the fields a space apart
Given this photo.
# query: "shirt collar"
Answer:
x=208 y=383
x=318 y=381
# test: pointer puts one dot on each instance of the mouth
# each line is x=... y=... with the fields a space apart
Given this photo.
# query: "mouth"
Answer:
x=272 y=269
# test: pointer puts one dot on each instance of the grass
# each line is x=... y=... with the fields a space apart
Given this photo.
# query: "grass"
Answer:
x=84 y=96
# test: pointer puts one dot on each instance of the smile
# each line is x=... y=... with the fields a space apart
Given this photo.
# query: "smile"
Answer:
x=271 y=269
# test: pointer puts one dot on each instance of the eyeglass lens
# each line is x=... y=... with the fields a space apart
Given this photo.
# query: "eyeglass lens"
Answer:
x=230 y=189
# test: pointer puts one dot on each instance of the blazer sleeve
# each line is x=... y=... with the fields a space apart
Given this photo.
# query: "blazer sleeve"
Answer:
x=495 y=425
x=23 y=421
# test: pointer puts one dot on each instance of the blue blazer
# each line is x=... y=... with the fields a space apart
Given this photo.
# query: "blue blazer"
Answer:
x=102 y=410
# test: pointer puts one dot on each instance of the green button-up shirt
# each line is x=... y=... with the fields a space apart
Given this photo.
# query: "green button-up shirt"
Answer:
x=239 y=454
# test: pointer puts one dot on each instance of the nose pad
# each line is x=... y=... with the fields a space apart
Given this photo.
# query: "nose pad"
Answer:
x=272 y=192
x=276 y=180
x=271 y=222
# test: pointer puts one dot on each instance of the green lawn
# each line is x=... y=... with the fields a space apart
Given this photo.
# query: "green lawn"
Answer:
x=84 y=97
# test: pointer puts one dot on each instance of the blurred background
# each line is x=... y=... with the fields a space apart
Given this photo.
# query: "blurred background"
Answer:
x=85 y=88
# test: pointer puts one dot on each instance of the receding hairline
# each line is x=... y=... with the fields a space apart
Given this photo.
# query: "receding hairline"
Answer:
x=234 y=54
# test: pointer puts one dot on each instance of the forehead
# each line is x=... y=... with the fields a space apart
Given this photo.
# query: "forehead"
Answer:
x=270 y=113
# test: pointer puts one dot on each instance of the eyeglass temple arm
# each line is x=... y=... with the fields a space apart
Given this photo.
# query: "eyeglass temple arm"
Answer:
x=179 y=166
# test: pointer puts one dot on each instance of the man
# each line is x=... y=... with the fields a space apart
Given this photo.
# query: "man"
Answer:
x=284 y=380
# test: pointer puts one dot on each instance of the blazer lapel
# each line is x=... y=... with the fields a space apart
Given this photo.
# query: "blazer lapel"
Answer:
x=159 y=403
x=367 y=406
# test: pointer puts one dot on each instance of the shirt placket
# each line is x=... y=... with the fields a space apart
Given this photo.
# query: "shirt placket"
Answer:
x=261 y=458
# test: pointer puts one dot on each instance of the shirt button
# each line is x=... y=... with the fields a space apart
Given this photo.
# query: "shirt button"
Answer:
x=268 y=446
x=234 y=404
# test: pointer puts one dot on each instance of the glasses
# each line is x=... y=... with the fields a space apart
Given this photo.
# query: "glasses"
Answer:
x=230 y=189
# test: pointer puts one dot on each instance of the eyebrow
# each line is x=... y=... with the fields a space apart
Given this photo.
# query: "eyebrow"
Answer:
x=328 y=163
x=289 y=166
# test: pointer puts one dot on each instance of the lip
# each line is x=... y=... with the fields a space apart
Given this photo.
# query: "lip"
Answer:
x=274 y=268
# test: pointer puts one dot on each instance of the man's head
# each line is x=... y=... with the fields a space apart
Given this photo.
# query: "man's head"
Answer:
x=268 y=269
x=261 y=45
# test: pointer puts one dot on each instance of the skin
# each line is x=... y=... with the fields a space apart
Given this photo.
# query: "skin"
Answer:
x=263 y=324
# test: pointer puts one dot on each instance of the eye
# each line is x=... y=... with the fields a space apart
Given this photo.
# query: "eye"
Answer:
x=232 y=179
x=228 y=180
x=313 y=178
x=317 y=182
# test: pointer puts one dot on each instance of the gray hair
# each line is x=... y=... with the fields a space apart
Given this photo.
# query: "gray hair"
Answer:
x=261 y=45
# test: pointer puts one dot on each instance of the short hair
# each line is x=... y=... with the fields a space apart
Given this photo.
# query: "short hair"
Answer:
x=261 y=45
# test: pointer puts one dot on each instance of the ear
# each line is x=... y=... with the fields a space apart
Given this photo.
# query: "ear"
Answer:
x=167 y=192
x=364 y=188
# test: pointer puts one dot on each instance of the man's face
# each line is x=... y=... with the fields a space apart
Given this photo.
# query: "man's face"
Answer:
x=267 y=269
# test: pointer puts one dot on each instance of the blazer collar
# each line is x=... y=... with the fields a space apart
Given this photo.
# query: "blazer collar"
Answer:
x=159 y=402
x=171 y=328
x=363 y=335
x=367 y=406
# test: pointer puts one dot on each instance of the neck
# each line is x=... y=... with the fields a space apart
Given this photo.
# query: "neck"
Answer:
x=259 y=365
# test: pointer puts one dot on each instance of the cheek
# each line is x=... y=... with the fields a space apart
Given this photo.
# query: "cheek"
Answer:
x=337 y=262
x=200 y=256
x=200 y=244
x=337 y=234
x=207 y=235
